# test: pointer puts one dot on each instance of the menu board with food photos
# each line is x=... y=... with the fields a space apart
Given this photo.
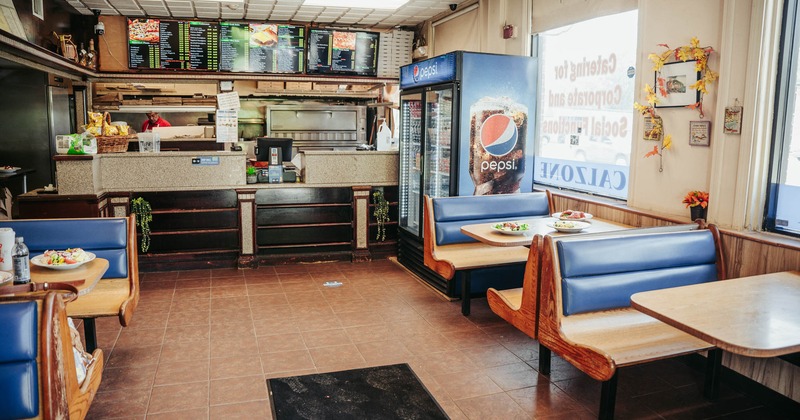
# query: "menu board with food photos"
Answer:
x=262 y=48
x=345 y=52
x=172 y=44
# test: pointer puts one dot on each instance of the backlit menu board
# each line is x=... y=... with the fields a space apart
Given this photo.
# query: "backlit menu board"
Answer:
x=345 y=52
x=262 y=48
x=172 y=44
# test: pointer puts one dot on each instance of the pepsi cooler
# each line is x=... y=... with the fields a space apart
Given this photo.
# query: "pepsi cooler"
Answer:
x=466 y=128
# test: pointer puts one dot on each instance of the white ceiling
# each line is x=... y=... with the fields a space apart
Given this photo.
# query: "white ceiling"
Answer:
x=411 y=13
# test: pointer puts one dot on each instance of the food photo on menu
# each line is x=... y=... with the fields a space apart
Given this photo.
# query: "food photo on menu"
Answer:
x=264 y=35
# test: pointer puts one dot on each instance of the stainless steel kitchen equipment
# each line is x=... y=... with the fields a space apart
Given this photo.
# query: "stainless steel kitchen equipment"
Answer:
x=326 y=127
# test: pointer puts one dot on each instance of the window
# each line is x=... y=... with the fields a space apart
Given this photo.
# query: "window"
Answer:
x=783 y=194
x=585 y=114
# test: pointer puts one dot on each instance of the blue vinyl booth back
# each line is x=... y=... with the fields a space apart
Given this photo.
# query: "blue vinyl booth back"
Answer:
x=105 y=237
x=19 y=377
x=601 y=274
x=452 y=213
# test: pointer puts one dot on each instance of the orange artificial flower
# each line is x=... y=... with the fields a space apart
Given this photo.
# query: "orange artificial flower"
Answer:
x=696 y=198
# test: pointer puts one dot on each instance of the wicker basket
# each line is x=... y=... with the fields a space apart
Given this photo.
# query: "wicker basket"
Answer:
x=113 y=144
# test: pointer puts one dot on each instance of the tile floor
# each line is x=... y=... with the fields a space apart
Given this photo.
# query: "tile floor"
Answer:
x=203 y=342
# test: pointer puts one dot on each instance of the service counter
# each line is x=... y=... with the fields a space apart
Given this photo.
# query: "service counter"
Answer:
x=206 y=215
x=211 y=170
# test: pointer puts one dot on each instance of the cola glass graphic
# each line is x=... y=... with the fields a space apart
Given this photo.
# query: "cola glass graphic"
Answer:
x=497 y=133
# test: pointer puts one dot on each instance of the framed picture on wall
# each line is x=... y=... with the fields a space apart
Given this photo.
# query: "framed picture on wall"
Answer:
x=672 y=85
x=700 y=133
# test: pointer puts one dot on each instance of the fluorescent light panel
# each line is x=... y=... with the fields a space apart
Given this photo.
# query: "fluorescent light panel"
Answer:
x=358 y=4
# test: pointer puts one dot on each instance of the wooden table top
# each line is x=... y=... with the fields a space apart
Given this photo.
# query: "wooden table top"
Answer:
x=484 y=232
x=756 y=316
x=90 y=272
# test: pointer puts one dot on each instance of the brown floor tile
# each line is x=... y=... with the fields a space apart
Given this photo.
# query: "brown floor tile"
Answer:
x=359 y=318
x=251 y=410
x=192 y=293
x=231 y=367
x=184 y=333
x=516 y=376
x=170 y=373
x=490 y=407
x=265 y=288
x=269 y=299
x=228 y=316
x=128 y=377
x=325 y=357
x=191 y=305
x=231 y=347
x=178 y=319
x=133 y=356
x=326 y=338
x=146 y=320
x=464 y=385
x=378 y=353
x=275 y=326
x=191 y=414
x=238 y=389
x=489 y=356
x=115 y=404
x=281 y=342
x=445 y=362
x=368 y=333
x=178 y=352
x=545 y=400
x=178 y=397
x=140 y=337
x=234 y=329
x=193 y=274
x=238 y=290
x=195 y=283
x=228 y=303
x=286 y=361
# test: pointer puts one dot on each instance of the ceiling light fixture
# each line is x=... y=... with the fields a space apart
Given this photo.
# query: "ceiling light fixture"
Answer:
x=226 y=1
x=358 y=4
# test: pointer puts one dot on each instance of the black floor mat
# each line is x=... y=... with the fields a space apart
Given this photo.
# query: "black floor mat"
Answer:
x=383 y=392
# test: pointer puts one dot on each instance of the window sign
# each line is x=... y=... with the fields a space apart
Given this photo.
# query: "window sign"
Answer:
x=586 y=111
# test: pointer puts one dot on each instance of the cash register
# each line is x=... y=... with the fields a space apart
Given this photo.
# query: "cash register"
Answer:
x=274 y=160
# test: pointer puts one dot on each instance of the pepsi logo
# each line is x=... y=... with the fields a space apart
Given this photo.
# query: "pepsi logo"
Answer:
x=416 y=73
x=498 y=135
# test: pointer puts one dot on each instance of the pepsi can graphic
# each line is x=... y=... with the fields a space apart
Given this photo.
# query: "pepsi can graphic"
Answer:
x=497 y=134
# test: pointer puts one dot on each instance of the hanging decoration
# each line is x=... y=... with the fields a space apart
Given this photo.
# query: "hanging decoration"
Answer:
x=674 y=83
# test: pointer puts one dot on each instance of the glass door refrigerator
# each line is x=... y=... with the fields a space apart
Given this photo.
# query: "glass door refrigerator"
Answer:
x=465 y=128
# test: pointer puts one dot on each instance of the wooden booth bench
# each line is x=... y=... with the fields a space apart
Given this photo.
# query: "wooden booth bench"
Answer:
x=38 y=374
x=586 y=285
x=448 y=251
x=520 y=306
x=111 y=238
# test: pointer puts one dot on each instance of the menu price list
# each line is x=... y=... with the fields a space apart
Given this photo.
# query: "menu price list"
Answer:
x=343 y=52
x=263 y=48
x=163 y=44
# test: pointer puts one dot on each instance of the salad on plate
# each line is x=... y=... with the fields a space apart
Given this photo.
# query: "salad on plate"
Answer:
x=68 y=256
x=515 y=228
x=572 y=215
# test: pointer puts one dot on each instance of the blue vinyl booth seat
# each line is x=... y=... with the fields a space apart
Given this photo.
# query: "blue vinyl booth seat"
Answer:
x=586 y=286
x=604 y=273
x=19 y=376
x=38 y=377
x=105 y=237
x=478 y=266
x=111 y=238
x=452 y=213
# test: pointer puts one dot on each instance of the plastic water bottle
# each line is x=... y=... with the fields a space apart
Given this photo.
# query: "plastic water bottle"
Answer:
x=21 y=258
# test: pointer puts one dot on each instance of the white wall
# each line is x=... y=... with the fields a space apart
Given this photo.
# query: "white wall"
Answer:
x=685 y=167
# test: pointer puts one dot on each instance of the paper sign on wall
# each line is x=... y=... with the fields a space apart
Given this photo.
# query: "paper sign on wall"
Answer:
x=227 y=125
x=229 y=100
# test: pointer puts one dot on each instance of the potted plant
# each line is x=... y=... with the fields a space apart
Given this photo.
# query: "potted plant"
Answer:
x=144 y=216
x=381 y=214
x=252 y=176
x=697 y=202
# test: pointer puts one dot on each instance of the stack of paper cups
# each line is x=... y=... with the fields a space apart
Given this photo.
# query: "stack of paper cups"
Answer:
x=6 y=243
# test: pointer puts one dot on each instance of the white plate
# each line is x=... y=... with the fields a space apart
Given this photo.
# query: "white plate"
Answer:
x=587 y=216
x=579 y=226
x=39 y=261
x=9 y=170
x=5 y=276
x=510 y=232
